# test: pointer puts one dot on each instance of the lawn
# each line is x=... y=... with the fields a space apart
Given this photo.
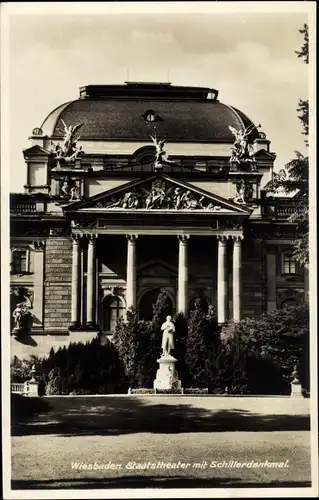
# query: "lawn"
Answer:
x=112 y=439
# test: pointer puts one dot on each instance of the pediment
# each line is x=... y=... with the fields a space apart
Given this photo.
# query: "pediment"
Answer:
x=156 y=268
x=35 y=151
x=158 y=193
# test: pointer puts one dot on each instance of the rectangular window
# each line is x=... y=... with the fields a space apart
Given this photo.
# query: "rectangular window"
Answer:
x=289 y=264
x=20 y=261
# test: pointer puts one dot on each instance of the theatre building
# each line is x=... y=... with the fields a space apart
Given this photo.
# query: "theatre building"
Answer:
x=139 y=187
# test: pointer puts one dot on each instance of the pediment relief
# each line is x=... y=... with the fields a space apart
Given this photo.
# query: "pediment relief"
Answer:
x=160 y=193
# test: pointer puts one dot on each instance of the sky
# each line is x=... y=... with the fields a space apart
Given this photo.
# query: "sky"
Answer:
x=249 y=57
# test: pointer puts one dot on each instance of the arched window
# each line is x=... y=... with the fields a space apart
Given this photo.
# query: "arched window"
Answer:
x=289 y=302
x=112 y=309
x=204 y=304
x=148 y=300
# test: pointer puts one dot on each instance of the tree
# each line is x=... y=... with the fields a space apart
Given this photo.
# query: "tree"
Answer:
x=294 y=177
x=263 y=351
x=151 y=336
x=161 y=309
x=89 y=368
x=20 y=370
x=202 y=340
x=303 y=106
x=125 y=340
x=304 y=51
x=180 y=342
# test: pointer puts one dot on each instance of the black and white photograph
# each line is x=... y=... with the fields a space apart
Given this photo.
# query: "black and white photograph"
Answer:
x=158 y=245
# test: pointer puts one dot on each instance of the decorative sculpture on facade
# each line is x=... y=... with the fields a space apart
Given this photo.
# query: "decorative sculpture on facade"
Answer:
x=163 y=196
x=240 y=150
x=244 y=191
x=70 y=189
x=20 y=314
x=161 y=155
x=168 y=336
x=69 y=151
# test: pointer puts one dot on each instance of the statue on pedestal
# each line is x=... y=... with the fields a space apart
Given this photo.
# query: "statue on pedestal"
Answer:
x=168 y=336
x=166 y=375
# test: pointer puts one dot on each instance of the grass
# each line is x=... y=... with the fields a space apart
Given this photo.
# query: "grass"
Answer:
x=120 y=430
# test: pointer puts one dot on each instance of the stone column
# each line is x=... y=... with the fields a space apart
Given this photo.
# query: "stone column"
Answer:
x=131 y=271
x=76 y=256
x=90 y=285
x=182 y=302
x=222 y=303
x=237 y=278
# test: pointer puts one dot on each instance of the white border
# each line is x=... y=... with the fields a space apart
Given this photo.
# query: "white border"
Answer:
x=44 y=8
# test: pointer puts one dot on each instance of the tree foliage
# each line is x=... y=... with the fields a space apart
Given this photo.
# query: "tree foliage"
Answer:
x=20 y=369
x=125 y=340
x=294 y=178
x=266 y=349
x=202 y=339
x=304 y=51
x=139 y=343
x=90 y=368
x=253 y=356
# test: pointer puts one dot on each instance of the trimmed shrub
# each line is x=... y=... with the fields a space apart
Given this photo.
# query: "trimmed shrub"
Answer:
x=202 y=346
x=89 y=368
x=125 y=340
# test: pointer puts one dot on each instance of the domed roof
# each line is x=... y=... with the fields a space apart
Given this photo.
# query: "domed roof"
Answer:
x=117 y=112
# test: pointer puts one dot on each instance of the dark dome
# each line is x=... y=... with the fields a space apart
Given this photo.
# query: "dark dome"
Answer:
x=192 y=114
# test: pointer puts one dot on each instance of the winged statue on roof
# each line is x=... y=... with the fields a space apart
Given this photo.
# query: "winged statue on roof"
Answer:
x=161 y=155
x=69 y=150
x=240 y=149
x=70 y=141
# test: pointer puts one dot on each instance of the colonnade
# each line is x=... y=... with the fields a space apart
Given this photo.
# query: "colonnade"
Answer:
x=182 y=292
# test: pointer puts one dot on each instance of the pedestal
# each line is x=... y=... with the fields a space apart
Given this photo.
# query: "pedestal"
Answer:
x=166 y=375
x=296 y=390
x=31 y=388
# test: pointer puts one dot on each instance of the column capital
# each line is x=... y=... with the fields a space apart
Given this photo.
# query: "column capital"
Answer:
x=92 y=237
x=237 y=239
x=222 y=239
x=76 y=238
x=183 y=238
x=37 y=245
x=132 y=237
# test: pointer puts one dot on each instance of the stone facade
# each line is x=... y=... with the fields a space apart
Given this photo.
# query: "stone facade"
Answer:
x=57 y=285
x=103 y=225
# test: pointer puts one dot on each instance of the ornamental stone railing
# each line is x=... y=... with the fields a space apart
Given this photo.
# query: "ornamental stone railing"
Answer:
x=17 y=388
x=28 y=388
x=20 y=207
x=279 y=209
x=26 y=207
